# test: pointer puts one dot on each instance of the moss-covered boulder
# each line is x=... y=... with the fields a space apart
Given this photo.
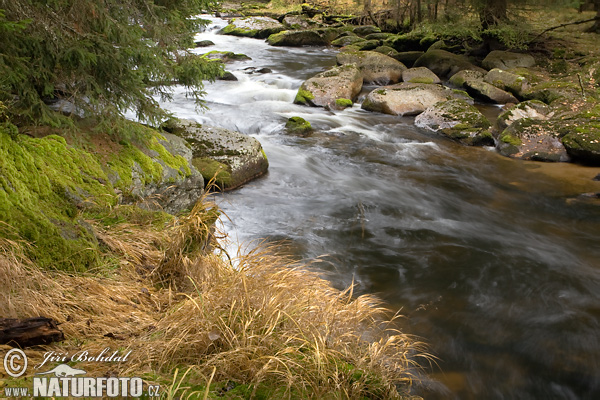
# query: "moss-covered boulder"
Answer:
x=583 y=142
x=347 y=41
x=457 y=120
x=532 y=139
x=255 y=27
x=378 y=36
x=473 y=83
x=225 y=56
x=298 y=39
x=444 y=63
x=235 y=158
x=324 y=89
x=375 y=67
x=49 y=187
x=366 y=30
x=407 y=98
x=408 y=58
x=412 y=41
x=533 y=109
x=507 y=81
x=388 y=51
x=554 y=91
x=367 y=45
x=204 y=43
x=506 y=60
x=298 y=126
x=420 y=75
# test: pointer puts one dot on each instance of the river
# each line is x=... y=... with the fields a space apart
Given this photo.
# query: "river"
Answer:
x=495 y=262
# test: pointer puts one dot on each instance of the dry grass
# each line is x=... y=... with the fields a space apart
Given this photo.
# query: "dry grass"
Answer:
x=256 y=320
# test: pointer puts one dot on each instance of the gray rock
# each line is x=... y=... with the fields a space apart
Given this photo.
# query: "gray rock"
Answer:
x=406 y=98
x=457 y=120
x=532 y=109
x=408 y=58
x=235 y=158
x=322 y=90
x=388 y=51
x=420 y=75
x=513 y=83
x=205 y=43
x=375 y=67
x=227 y=76
x=445 y=64
x=507 y=60
x=297 y=22
x=531 y=139
x=473 y=83
x=347 y=41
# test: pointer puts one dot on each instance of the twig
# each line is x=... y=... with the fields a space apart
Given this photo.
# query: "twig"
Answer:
x=563 y=25
x=581 y=85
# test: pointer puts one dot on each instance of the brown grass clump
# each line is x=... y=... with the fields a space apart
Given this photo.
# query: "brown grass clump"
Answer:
x=252 y=327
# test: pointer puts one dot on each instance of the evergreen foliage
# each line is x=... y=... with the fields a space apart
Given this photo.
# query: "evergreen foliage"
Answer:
x=104 y=56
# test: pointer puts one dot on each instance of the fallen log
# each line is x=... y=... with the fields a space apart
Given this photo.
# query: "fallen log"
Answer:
x=29 y=332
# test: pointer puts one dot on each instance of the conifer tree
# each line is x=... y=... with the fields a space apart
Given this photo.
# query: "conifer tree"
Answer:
x=104 y=56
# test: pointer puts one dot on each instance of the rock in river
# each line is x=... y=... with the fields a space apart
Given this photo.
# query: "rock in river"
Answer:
x=324 y=89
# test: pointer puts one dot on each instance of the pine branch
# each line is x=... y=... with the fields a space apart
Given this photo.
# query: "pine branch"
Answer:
x=563 y=25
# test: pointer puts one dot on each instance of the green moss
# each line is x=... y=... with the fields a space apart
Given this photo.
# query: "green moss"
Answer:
x=343 y=103
x=510 y=139
x=210 y=169
x=176 y=162
x=303 y=96
x=298 y=125
x=380 y=92
x=421 y=80
x=129 y=159
x=231 y=29
x=44 y=183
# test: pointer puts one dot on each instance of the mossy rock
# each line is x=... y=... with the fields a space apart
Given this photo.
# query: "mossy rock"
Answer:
x=368 y=45
x=212 y=169
x=459 y=121
x=507 y=81
x=472 y=82
x=582 y=140
x=533 y=109
x=507 y=60
x=297 y=39
x=388 y=51
x=532 y=139
x=298 y=126
x=445 y=64
x=225 y=56
x=420 y=75
x=343 y=103
x=375 y=67
x=553 y=91
x=346 y=41
x=204 y=43
x=378 y=36
x=366 y=30
x=322 y=90
x=408 y=58
x=255 y=27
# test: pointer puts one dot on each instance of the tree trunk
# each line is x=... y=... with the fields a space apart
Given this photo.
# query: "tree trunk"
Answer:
x=29 y=332
x=596 y=27
x=493 y=12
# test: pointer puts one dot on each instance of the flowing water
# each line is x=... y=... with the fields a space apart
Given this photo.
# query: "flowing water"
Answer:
x=495 y=262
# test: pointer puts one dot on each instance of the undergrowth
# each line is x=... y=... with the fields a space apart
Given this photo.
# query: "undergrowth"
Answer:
x=206 y=325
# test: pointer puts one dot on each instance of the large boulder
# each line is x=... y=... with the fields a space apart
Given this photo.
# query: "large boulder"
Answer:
x=408 y=58
x=256 y=27
x=444 y=63
x=532 y=109
x=366 y=30
x=324 y=89
x=232 y=157
x=473 y=83
x=457 y=120
x=297 y=22
x=407 y=98
x=507 y=81
x=298 y=39
x=580 y=131
x=346 y=41
x=532 y=139
x=420 y=75
x=506 y=60
x=375 y=67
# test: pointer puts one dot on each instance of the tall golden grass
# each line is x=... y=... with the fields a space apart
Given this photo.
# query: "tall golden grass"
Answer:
x=256 y=320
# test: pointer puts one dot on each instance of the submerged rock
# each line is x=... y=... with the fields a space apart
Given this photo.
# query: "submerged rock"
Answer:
x=225 y=56
x=444 y=63
x=324 y=89
x=457 y=120
x=233 y=158
x=205 y=43
x=255 y=27
x=407 y=98
x=375 y=67
x=506 y=60
x=298 y=126
x=227 y=76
